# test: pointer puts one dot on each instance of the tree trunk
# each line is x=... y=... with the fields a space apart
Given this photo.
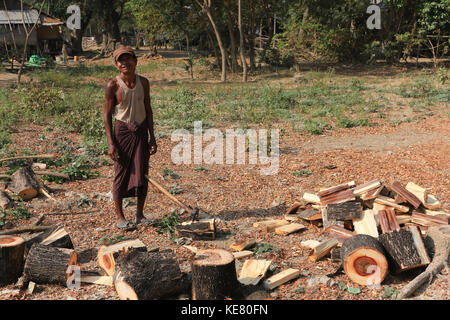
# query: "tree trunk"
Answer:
x=48 y=264
x=234 y=66
x=213 y=275
x=106 y=255
x=11 y=259
x=24 y=183
x=147 y=275
x=241 y=44
x=55 y=237
x=364 y=260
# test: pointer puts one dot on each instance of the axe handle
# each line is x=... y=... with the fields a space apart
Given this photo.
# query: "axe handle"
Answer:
x=167 y=193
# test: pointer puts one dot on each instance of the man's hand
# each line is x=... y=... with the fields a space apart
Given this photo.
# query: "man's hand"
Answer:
x=153 y=146
x=113 y=152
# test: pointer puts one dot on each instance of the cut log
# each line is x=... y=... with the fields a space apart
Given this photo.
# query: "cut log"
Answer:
x=270 y=225
x=253 y=271
x=311 y=198
x=366 y=224
x=403 y=218
x=5 y=202
x=329 y=222
x=338 y=197
x=328 y=191
x=419 y=192
x=289 y=228
x=388 y=221
x=147 y=275
x=405 y=247
x=280 y=278
x=11 y=259
x=344 y=211
x=49 y=265
x=24 y=183
x=213 y=275
x=56 y=236
x=427 y=220
x=339 y=233
x=101 y=280
x=363 y=259
x=204 y=229
x=440 y=237
x=405 y=194
x=106 y=254
x=391 y=203
x=366 y=187
x=440 y=214
x=242 y=245
x=323 y=249
x=432 y=203
x=293 y=209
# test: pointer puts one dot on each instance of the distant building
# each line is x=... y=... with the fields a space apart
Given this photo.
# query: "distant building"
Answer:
x=46 y=37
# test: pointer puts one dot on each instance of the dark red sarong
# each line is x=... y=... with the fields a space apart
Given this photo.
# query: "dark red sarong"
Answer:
x=134 y=155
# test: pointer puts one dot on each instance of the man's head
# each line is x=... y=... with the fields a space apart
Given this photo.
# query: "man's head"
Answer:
x=125 y=60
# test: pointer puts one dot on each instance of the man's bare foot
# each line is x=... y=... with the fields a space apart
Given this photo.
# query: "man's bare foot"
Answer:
x=141 y=219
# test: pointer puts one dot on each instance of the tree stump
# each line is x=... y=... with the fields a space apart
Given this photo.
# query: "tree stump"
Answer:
x=11 y=258
x=24 y=183
x=213 y=275
x=147 y=275
x=49 y=264
x=106 y=255
x=363 y=259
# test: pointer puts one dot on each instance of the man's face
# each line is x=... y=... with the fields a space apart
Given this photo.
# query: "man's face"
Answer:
x=126 y=64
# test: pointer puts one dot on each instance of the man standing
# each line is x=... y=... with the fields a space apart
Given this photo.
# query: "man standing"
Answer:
x=127 y=99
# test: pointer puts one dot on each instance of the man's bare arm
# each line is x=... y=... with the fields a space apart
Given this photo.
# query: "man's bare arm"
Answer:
x=108 y=109
x=149 y=112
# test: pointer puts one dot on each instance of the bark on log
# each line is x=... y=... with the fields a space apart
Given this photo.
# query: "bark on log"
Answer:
x=5 y=202
x=147 y=275
x=364 y=261
x=344 y=211
x=405 y=247
x=11 y=259
x=198 y=230
x=49 y=265
x=25 y=229
x=441 y=239
x=24 y=183
x=213 y=275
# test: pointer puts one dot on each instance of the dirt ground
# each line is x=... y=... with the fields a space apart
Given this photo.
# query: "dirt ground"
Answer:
x=238 y=196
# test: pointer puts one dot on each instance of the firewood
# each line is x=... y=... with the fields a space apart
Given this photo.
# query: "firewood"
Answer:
x=280 y=278
x=366 y=187
x=253 y=271
x=142 y=275
x=441 y=214
x=339 y=233
x=242 y=254
x=289 y=228
x=270 y=225
x=213 y=275
x=204 y=229
x=344 y=211
x=242 y=245
x=419 y=192
x=432 y=203
x=391 y=202
x=441 y=239
x=25 y=229
x=106 y=254
x=293 y=209
x=101 y=280
x=338 y=197
x=366 y=224
x=5 y=202
x=403 y=218
x=406 y=248
x=49 y=265
x=323 y=249
x=427 y=220
x=363 y=259
x=24 y=183
x=310 y=215
x=328 y=191
x=56 y=236
x=372 y=194
x=11 y=259
x=388 y=221
x=311 y=198
x=405 y=194
x=329 y=222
